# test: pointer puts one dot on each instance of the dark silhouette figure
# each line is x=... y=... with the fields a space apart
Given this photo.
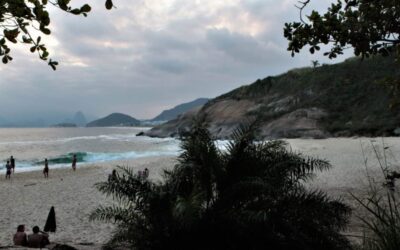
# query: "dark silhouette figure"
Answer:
x=46 y=169
x=51 y=225
x=12 y=162
x=74 y=162
x=8 y=170
x=146 y=173
x=38 y=239
x=20 y=237
x=113 y=175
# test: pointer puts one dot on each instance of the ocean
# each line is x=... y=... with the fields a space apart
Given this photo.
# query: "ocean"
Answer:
x=30 y=146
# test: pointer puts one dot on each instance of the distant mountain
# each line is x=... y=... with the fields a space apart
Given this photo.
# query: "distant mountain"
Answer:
x=79 y=119
x=173 y=113
x=345 y=99
x=115 y=119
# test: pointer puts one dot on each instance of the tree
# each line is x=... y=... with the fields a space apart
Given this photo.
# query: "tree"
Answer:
x=19 y=17
x=369 y=26
x=315 y=63
x=251 y=196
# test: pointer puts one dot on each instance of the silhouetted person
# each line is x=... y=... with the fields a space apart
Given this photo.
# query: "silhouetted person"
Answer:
x=146 y=173
x=113 y=175
x=8 y=170
x=38 y=239
x=46 y=169
x=20 y=238
x=12 y=162
x=74 y=162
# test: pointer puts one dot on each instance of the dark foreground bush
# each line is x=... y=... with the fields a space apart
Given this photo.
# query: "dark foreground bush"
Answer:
x=250 y=196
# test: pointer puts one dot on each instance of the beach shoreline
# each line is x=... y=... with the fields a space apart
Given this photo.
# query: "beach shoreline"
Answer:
x=28 y=197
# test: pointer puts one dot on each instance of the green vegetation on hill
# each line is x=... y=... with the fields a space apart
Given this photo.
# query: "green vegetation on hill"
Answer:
x=353 y=94
x=114 y=119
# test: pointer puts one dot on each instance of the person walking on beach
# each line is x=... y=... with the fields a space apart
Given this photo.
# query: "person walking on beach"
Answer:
x=46 y=169
x=12 y=162
x=74 y=162
x=8 y=170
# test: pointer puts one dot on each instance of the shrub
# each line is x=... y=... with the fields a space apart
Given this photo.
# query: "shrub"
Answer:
x=251 y=196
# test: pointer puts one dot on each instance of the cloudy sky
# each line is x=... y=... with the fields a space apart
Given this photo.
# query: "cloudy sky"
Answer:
x=149 y=55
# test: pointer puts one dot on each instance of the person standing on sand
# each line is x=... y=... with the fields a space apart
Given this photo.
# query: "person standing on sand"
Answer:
x=12 y=162
x=46 y=169
x=146 y=173
x=74 y=162
x=8 y=170
x=113 y=175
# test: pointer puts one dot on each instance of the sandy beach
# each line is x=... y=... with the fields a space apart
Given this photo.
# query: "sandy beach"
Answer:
x=28 y=197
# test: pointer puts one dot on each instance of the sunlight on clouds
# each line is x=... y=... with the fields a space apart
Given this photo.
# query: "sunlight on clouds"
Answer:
x=244 y=23
x=72 y=61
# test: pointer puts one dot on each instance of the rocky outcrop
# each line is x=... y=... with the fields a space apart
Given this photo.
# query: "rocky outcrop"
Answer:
x=175 y=127
x=224 y=117
x=173 y=113
x=299 y=123
x=344 y=99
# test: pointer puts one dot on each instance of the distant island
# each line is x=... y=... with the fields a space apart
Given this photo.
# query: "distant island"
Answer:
x=65 y=125
x=114 y=119
x=344 y=99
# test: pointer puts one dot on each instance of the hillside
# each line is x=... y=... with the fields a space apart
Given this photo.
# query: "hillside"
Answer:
x=114 y=119
x=173 y=113
x=344 y=99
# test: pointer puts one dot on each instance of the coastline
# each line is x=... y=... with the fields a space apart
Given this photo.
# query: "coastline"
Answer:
x=28 y=197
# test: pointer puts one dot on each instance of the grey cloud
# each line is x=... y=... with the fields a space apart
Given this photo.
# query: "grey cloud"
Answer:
x=139 y=69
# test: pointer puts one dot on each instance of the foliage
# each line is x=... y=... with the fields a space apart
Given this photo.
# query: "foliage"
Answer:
x=18 y=18
x=249 y=196
x=315 y=63
x=369 y=26
x=356 y=103
x=380 y=208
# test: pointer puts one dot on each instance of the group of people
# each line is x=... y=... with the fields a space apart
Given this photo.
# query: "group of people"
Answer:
x=10 y=166
x=142 y=174
x=37 y=239
x=46 y=166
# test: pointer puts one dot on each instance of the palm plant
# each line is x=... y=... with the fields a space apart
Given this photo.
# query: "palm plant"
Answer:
x=380 y=207
x=251 y=196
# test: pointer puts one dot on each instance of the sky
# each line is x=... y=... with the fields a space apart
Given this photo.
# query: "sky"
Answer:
x=145 y=56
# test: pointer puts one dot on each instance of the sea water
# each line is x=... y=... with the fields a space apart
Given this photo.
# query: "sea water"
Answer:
x=30 y=146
